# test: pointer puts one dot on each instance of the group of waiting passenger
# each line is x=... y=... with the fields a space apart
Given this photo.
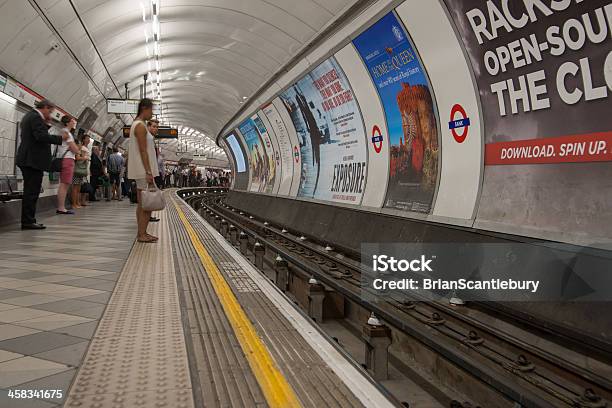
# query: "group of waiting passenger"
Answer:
x=82 y=171
x=190 y=177
x=77 y=163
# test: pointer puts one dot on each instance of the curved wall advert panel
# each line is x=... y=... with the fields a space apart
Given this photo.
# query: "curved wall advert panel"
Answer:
x=457 y=122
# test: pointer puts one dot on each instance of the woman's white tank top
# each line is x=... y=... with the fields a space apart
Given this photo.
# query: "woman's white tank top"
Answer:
x=136 y=169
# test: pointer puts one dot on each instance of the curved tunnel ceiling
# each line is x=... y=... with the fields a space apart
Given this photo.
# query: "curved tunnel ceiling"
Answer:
x=214 y=54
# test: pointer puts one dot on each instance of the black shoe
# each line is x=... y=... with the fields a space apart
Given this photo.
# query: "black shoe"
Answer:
x=153 y=219
x=32 y=226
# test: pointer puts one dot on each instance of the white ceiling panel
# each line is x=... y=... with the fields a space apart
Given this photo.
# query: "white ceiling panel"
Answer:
x=214 y=54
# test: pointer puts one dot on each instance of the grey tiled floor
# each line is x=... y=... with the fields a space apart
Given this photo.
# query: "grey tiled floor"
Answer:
x=54 y=287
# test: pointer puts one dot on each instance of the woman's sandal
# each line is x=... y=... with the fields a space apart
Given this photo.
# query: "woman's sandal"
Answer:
x=148 y=239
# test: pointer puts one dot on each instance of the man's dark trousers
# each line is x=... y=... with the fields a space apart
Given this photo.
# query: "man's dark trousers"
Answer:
x=32 y=183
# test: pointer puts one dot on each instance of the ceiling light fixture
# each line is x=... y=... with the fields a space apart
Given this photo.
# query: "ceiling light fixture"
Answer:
x=155 y=30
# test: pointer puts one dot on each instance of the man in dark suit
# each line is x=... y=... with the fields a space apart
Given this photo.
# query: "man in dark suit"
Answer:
x=33 y=158
x=96 y=170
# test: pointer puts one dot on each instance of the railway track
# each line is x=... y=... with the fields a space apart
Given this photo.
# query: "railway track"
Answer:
x=523 y=367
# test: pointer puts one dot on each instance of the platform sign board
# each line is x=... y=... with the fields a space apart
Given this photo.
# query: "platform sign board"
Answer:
x=115 y=106
x=2 y=82
x=256 y=156
x=544 y=75
x=165 y=132
x=331 y=135
x=128 y=106
x=284 y=146
x=410 y=110
x=20 y=92
x=269 y=154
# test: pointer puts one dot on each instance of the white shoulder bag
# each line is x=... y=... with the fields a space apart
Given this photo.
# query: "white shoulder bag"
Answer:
x=152 y=199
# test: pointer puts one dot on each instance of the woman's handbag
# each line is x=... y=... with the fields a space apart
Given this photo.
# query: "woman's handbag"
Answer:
x=152 y=199
x=56 y=163
x=80 y=168
x=85 y=188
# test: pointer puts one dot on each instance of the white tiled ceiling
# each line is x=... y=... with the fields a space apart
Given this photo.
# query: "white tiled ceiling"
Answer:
x=213 y=52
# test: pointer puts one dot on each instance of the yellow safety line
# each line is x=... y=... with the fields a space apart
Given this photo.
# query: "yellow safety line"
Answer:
x=277 y=391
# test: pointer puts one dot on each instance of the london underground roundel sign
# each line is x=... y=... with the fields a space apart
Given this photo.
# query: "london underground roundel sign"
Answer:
x=377 y=139
x=296 y=154
x=459 y=123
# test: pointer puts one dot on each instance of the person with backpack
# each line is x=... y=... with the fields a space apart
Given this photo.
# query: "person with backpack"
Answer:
x=97 y=172
x=114 y=166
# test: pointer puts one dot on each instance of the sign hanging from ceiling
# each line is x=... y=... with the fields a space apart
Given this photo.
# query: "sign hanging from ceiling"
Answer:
x=129 y=106
x=167 y=133
x=162 y=133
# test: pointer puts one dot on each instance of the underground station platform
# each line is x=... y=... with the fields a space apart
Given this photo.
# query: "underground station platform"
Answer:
x=99 y=320
x=229 y=309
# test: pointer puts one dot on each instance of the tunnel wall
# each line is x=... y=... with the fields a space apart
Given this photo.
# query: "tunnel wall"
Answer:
x=451 y=112
x=34 y=64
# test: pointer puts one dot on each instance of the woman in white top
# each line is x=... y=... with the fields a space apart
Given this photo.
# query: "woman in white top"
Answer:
x=86 y=156
x=66 y=152
x=142 y=165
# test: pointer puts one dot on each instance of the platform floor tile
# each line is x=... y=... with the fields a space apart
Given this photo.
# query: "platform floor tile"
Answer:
x=54 y=286
x=137 y=356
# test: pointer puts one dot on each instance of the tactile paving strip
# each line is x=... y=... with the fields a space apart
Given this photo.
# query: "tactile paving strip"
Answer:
x=224 y=376
x=314 y=382
x=137 y=357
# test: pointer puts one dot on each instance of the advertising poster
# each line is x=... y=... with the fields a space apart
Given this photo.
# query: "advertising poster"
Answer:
x=256 y=156
x=544 y=73
x=237 y=152
x=269 y=154
x=331 y=136
x=284 y=143
x=410 y=110
x=240 y=179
